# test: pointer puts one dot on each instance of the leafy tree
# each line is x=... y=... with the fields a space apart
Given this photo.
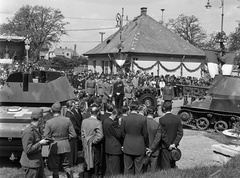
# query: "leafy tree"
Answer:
x=42 y=25
x=63 y=63
x=234 y=39
x=188 y=28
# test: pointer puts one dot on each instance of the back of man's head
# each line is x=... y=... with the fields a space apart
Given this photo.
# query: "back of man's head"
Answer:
x=150 y=110
x=109 y=107
x=167 y=106
x=94 y=110
x=134 y=106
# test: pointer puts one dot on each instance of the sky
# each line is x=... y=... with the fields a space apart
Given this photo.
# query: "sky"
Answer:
x=89 y=17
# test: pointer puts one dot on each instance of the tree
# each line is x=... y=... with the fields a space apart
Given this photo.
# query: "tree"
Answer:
x=42 y=25
x=234 y=39
x=188 y=28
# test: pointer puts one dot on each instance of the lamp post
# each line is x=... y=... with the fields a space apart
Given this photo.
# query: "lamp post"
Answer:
x=27 y=47
x=220 y=37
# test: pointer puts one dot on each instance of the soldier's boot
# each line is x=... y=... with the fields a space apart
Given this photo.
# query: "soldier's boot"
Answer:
x=69 y=174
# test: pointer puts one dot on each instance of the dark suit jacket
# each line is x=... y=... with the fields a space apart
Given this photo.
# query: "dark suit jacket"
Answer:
x=152 y=126
x=31 y=155
x=134 y=131
x=118 y=87
x=112 y=134
x=172 y=126
x=74 y=120
x=78 y=116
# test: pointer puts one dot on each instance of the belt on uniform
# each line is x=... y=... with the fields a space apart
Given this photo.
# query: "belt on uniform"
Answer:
x=60 y=138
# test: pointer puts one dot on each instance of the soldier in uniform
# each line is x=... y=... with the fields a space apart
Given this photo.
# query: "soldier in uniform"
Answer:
x=168 y=92
x=90 y=86
x=60 y=129
x=128 y=90
x=31 y=159
x=107 y=92
x=99 y=88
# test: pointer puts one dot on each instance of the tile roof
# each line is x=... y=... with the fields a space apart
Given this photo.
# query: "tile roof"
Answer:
x=146 y=35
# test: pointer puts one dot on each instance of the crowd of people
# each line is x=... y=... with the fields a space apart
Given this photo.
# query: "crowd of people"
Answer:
x=125 y=141
x=116 y=134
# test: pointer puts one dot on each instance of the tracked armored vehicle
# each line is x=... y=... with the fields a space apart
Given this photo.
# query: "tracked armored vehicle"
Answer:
x=21 y=93
x=219 y=109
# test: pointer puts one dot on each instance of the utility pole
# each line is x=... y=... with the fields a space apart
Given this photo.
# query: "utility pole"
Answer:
x=162 y=15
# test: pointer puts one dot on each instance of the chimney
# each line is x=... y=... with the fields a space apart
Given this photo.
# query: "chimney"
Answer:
x=75 y=48
x=143 y=11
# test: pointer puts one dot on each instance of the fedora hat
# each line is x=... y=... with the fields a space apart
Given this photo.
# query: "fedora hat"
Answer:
x=176 y=154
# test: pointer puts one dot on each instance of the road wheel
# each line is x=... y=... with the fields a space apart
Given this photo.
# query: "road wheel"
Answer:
x=202 y=123
x=186 y=117
x=220 y=126
x=148 y=99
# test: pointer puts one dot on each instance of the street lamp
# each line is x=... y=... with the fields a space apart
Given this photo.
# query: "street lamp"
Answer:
x=221 y=36
x=120 y=61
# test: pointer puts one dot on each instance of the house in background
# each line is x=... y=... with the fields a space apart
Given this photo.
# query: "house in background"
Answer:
x=149 y=46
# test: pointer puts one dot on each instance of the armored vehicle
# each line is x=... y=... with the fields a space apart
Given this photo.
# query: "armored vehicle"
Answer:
x=219 y=109
x=20 y=94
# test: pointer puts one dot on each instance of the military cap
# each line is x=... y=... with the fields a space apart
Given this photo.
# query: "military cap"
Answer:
x=36 y=114
x=56 y=106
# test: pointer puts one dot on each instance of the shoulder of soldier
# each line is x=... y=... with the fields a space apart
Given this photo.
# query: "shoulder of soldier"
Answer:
x=28 y=129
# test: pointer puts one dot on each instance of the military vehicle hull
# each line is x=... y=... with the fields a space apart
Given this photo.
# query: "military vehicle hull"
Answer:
x=21 y=93
x=220 y=109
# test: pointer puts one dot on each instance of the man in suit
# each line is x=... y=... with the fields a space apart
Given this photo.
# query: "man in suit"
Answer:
x=152 y=126
x=31 y=159
x=61 y=130
x=73 y=155
x=113 y=151
x=118 y=93
x=169 y=135
x=92 y=135
x=134 y=131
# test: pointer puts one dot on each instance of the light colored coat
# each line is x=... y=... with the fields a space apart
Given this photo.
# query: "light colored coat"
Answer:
x=91 y=133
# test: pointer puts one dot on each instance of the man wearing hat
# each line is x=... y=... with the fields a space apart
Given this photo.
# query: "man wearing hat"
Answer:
x=31 y=159
x=170 y=131
x=60 y=129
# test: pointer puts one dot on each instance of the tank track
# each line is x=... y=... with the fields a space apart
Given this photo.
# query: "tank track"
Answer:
x=192 y=122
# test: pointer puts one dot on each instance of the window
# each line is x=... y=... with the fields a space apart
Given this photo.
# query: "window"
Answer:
x=111 y=67
x=106 y=67
x=102 y=66
x=94 y=65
